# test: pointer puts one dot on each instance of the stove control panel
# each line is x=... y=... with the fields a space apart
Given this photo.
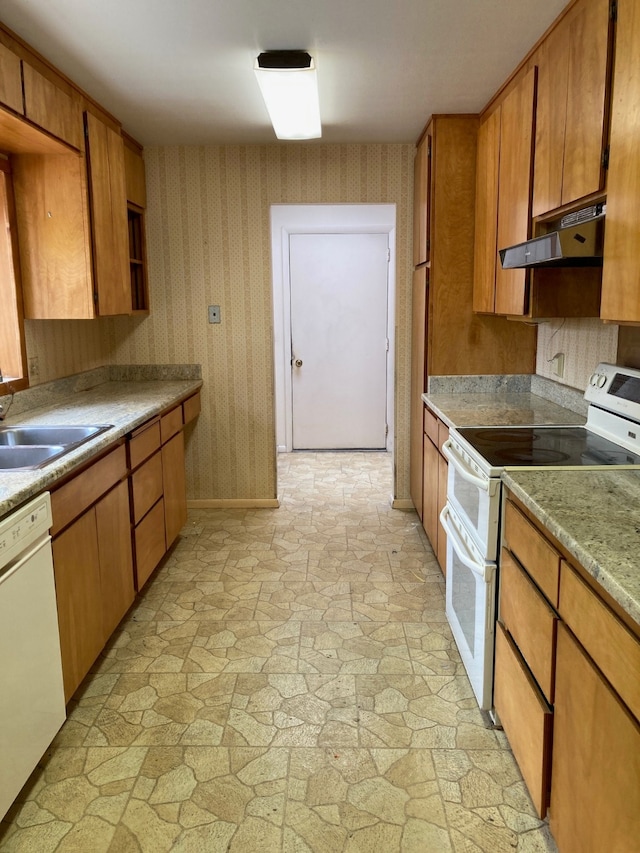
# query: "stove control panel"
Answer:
x=615 y=389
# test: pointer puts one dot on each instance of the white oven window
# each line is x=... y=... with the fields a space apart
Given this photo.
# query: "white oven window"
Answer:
x=463 y=600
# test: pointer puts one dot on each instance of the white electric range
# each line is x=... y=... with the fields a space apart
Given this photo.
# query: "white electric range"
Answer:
x=477 y=457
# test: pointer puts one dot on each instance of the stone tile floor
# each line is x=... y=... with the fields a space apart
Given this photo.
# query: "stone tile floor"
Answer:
x=286 y=682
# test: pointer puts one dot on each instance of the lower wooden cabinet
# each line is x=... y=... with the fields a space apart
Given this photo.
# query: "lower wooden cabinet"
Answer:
x=595 y=794
x=158 y=485
x=174 y=487
x=434 y=495
x=93 y=567
x=566 y=691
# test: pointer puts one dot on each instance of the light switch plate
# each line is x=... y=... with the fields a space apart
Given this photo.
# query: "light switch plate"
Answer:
x=214 y=313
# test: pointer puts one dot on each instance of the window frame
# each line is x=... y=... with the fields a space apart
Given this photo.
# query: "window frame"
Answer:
x=10 y=255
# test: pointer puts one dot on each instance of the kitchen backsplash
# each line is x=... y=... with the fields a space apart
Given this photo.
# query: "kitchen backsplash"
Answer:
x=57 y=348
x=584 y=344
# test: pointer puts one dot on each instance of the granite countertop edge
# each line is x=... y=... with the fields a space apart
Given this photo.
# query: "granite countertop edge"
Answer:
x=123 y=404
x=602 y=570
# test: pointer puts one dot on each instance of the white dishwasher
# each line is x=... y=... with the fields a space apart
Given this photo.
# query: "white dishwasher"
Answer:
x=32 y=707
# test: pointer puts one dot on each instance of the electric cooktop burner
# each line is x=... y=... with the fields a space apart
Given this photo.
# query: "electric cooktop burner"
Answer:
x=534 y=446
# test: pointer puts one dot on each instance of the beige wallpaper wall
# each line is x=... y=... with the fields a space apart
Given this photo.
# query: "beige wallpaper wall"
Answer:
x=583 y=342
x=208 y=242
x=57 y=348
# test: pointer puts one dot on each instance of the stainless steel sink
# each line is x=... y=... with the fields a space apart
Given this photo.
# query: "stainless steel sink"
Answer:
x=24 y=448
x=27 y=458
x=47 y=435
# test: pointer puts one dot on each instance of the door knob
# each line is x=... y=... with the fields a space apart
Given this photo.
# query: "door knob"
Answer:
x=298 y=362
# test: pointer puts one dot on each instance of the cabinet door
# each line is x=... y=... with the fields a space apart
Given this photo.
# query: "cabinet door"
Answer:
x=595 y=796
x=621 y=271
x=421 y=200
x=551 y=118
x=485 y=240
x=430 y=492
x=78 y=593
x=108 y=218
x=514 y=189
x=175 y=489
x=52 y=109
x=115 y=555
x=418 y=381
x=53 y=234
x=10 y=80
x=587 y=85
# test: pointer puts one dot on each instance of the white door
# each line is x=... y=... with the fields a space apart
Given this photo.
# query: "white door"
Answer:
x=338 y=340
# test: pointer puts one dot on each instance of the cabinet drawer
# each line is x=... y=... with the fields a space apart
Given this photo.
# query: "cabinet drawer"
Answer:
x=431 y=426
x=146 y=486
x=530 y=621
x=143 y=443
x=526 y=718
x=610 y=643
x=191 y=408
x=539 y=558
x=170 y=424
x=72 y=499
x=149 y=541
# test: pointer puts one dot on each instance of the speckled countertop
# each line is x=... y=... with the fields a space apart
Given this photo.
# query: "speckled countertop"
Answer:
x=124 y=404
x=498 y=409
x=596 y=516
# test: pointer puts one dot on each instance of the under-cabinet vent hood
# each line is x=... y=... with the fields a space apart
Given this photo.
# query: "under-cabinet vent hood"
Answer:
x=577 y=242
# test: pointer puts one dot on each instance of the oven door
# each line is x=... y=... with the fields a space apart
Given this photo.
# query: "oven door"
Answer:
x=475 y=498
x=470 y=605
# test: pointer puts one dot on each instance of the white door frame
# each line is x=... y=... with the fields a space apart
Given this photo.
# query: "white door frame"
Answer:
x=289 y=219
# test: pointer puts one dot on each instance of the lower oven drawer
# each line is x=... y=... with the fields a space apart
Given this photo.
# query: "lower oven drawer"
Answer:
x=525 y=717
x=470 y=605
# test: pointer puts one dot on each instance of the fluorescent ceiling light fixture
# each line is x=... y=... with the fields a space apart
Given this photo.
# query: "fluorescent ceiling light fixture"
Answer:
x=289 y=86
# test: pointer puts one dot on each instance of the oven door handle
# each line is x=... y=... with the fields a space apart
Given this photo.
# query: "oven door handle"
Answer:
x=480 y=569
x=462 y=469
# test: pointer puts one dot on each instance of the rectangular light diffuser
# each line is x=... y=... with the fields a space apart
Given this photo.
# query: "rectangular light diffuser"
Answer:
x=289 y=86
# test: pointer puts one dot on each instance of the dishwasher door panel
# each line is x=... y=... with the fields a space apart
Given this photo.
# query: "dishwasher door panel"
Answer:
x=32 y=707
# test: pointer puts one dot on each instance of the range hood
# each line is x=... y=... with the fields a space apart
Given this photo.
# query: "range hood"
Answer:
x=577 y=242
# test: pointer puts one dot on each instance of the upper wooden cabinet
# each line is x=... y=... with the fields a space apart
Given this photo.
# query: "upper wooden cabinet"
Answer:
x=503 y=198
x=53 y=235
x=571 y=132
x=134 y=174
x=621 y=272
x=136 y=203
x=109 y=227
x=72 y=231
x=10 y=80
x=486 y=237
x=514 y=189
x=51 y=108
x=421 y=199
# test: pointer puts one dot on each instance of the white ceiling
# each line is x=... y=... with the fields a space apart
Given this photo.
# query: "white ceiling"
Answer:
x=181 y=71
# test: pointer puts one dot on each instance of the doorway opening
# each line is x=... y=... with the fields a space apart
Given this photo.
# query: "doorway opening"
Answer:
x=333 y=274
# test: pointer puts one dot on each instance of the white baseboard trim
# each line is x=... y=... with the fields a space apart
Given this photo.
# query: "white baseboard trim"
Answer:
x=401 y=503
x=235 y=503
